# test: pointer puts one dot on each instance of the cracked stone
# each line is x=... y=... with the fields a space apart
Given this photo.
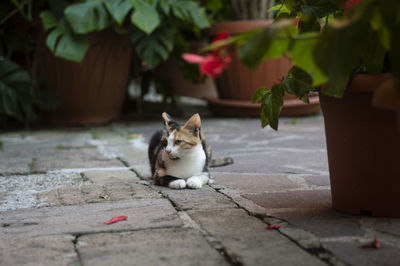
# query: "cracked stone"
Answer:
x=149 y=247
x=38 y=250
x=90 y=218
x=247 y=240
x=203 y=198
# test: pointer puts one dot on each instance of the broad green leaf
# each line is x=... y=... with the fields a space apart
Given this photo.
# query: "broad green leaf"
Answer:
x=309 y=23
x=48 y=19
x=52 y=39
x=190 y=12
x=72 y=47
x=259 y=42
x=281 y=7
x=301 y=52
x=119 y=9
x=259 y=95
x=342 y=58
x=298 y=83
x=154 y=48
x=320 y=8
x=263 y=118
x=9 y=100
x=374 y=54
x=145 y=16
x=272 y=105
x=87 y=17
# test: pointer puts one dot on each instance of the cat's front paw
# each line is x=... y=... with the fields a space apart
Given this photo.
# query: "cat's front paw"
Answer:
x=177 y=184
x=196 y=182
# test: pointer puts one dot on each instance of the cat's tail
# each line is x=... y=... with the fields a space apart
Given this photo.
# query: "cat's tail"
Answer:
x=221 y=162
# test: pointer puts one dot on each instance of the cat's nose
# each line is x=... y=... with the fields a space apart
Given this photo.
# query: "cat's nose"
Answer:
x=168 y=150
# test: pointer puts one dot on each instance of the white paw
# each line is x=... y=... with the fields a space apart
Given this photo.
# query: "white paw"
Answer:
x=177 y=184
x=194 y=182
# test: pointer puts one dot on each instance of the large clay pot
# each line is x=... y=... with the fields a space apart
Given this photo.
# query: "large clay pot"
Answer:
x=93 y=91
x=238 y=83
x=363 y=145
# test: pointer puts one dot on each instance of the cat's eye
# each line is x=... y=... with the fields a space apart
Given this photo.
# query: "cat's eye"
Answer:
x=177 y=142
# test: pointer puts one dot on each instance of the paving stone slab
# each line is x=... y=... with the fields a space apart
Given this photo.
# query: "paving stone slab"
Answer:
x=97 y=193
x=351 y=253
x=197 y=199
x=38 y=250
x=89 y=218
x=51 y=159
x=325 y=222
x=293 y=200
x=253 y=183
x=21 y=191
x=388 y=225
x=111 y=176
x=247 y=240
x=148 y=247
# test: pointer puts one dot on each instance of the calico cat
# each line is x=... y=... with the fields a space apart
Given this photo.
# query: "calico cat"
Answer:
x=180 y=156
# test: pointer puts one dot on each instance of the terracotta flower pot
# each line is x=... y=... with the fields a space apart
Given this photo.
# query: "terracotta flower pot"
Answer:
x=363 y=145
x=93 y=91
x=237 y=84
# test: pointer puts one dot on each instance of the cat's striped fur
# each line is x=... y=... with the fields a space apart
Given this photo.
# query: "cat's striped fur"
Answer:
x=180 y=156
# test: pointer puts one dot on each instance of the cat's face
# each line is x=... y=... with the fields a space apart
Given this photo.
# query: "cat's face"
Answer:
x=181 y=139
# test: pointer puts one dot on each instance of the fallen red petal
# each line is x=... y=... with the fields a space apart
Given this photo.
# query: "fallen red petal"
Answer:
x=374 y=244
x=274 y=226
x=116 y=219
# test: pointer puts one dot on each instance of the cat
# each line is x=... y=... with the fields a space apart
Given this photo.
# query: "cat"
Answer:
x=180 y=156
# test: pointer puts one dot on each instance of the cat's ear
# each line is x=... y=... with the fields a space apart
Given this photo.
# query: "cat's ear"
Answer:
x=167 y=118
x=194 y=124
x=169 y=122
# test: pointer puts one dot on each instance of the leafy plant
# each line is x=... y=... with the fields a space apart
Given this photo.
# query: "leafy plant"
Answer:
x=328 y=41
x=151 y=25
x=20 y=97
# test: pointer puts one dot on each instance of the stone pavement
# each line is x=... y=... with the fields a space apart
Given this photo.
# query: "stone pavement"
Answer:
x=58 y=187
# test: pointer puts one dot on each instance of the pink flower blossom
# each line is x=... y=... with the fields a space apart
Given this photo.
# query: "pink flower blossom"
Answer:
x=214 y=63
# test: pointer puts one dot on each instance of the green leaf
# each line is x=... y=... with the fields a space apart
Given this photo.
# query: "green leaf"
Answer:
x=340 y=50
x=259 y=95
x=190 y=12
x=145 y=16
x=154 y=48
x=268 y=42
x=298 y=83
x=374 y=54
x=72 y=47
x=301 y=52
x=320 y=8
x=87 y=17
x=9 y=100
x=48 y=19
x=272 y=105
x=119 y=9
x=309 y=23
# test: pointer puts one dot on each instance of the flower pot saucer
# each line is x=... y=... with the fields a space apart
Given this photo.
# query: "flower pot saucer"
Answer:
x=239 y=108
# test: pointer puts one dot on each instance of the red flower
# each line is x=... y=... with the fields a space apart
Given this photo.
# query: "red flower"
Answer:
x=349 y=4
x=221 y=36
x=212 y=65
x=296 y=22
